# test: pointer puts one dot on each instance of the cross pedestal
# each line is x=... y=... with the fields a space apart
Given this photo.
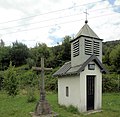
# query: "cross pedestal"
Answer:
x=43 y=108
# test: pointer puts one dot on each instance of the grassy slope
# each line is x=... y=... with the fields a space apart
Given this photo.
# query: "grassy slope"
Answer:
x=18 y=106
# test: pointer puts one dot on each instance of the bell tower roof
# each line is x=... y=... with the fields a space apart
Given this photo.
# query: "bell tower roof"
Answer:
x=86 y=31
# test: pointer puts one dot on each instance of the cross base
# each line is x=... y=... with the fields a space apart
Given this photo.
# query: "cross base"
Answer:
x=47 y=115
x=42 y=108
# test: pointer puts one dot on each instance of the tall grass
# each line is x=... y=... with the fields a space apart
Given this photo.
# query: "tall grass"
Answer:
x=19 y=107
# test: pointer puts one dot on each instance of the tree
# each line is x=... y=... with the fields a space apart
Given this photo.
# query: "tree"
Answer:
x=2 y=44
x=30 y=62
x=10 y=81
x=19 y=53
x=61 y=53
x=56 y=58
x=66 y=48
x=41 y=50
x=4 y=57
x=115 y=58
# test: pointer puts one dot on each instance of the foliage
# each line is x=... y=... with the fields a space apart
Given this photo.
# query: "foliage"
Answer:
x=10 y=81
x=19 y=53
x=27 y=78
x=41 y=50
x=115 y=57
x=110 y=83
x=2 y=43
x=111 y=55
x=4 y=57
x=55 y=57
x=30 y=62
x=66 y=54
x=31 y=94
x=72 y=109
x=1 y=79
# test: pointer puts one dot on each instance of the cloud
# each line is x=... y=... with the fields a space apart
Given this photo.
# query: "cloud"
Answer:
x=50 y=27
x=54 y=29
x=56 y=40
x=117 y=2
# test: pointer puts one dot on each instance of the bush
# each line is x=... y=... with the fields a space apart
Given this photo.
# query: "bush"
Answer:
x=27 y=78
x=51 y=83
x=31 y=94
x=110 y=83
x=11 y=81
x=1 y=79
x=72 y=109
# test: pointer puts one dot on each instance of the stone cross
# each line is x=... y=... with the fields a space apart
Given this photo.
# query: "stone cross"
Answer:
x=42 y=107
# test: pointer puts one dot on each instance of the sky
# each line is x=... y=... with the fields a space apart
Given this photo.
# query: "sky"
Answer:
x=49 y=21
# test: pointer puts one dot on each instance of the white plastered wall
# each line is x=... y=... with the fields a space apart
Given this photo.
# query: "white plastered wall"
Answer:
x=73 y=83
x=77 y=89
x=98 y=88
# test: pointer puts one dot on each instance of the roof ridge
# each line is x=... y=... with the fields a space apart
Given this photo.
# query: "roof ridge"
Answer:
x=77 y=65
x=91 y=58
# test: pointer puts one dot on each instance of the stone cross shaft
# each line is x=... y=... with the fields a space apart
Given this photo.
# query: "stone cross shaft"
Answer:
x=42 y=69
x=42 y=107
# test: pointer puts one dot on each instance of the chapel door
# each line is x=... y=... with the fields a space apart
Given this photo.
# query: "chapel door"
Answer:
x=90 y=92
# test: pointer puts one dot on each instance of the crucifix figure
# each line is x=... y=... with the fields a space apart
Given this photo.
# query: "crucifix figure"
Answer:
x=86 y=21
x=42 y=107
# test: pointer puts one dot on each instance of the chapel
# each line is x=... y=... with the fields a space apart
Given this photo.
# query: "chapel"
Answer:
x=80 y=80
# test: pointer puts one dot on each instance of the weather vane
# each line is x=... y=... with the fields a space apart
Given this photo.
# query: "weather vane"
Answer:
x=86 y=21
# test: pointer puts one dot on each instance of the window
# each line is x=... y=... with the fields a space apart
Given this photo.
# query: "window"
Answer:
x=88 y=47
x=67 y=91
x=91 y=66
x=92 y=47
x=76 y=48
x=96 y=49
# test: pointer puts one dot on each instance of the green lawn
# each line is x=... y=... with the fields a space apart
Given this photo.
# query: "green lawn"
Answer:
x=19 y=107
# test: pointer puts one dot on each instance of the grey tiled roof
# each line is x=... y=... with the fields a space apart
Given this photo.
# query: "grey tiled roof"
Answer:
x=63 y=69
x=87 y=32
x=66 y=69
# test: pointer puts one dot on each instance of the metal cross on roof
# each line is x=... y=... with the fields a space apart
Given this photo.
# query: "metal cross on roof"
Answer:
x=86 y=21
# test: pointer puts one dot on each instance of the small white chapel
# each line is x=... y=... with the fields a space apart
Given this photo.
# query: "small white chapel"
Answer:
x=80 y=80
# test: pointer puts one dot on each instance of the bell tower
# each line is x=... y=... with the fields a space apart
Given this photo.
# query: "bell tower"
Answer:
x=85 y=44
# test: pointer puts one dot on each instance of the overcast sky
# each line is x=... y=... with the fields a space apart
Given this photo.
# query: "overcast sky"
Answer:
x=48 y=21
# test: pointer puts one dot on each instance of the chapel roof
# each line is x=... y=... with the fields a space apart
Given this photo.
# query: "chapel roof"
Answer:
x=86 y=31
x=66 y=69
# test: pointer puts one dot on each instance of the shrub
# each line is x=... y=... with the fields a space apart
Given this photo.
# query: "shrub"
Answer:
x=27 y=78
x=31 y=94
x=10 y=81
x=110 y=83
x=51 y=83
x=1 y=79
x=73 y=109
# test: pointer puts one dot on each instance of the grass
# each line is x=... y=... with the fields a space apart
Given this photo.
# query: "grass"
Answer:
x=19 y=107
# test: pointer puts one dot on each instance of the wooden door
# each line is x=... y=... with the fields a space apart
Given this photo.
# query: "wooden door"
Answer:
x=90 y=92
